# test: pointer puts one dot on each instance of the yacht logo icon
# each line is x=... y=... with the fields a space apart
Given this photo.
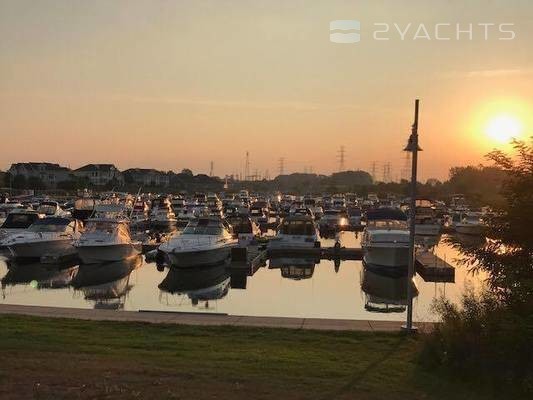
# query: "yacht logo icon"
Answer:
x=344 y=25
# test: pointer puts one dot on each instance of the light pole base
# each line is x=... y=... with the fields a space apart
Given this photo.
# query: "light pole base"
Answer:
x=405 y=329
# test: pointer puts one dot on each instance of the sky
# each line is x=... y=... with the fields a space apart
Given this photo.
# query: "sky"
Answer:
x=172 y=84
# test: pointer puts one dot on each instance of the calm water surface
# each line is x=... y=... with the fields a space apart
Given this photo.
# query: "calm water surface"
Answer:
x=288 y=288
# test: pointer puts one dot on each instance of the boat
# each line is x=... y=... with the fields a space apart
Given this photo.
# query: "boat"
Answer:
x=139 y=214
x=332 y=221
x=385 y=240
x=46 y=236
x=17 y=221
x=52 y=209
x=295 y=231
x=205 y=241
x=469 y=223
x=107 y=236
x=162 y=215
x=245 y=229
x=84 y=207
x=426 y=222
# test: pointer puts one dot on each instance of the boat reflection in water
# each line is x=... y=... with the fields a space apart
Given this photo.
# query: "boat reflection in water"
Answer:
x=202 y=284
x=427 y=241
x=107 y=284
x=39 y=276
x=385 y=289
x=294 y=268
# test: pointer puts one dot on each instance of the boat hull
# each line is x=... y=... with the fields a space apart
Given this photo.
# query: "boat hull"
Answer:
x=387 y=256
x=109 y=253
x=35 y=250
x=200 y=258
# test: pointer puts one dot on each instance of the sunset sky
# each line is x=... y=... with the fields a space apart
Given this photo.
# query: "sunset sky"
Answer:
x=176 y=84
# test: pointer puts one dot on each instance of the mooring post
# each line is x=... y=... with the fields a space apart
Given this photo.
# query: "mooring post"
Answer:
x=412 y=146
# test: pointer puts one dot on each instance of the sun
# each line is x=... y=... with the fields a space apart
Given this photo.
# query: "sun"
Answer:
x=503 y=128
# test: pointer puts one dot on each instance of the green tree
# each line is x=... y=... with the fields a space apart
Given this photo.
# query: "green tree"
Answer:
x=489 y=337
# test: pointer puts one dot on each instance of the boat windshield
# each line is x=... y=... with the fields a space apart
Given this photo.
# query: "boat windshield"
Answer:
x=297 y=228
x=19 y=221
x=54 y=225
x=47 y=209
x=100 y=226
x=387 y=224
x=203 y=227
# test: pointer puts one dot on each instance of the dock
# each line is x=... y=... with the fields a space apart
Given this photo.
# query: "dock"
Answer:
x=429 y=266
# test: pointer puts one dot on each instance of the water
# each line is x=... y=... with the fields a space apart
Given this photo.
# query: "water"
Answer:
x=322 y=290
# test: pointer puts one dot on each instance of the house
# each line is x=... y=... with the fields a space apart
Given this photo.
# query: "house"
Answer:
x=100 y=174
x=50 y=174
x=147 y=177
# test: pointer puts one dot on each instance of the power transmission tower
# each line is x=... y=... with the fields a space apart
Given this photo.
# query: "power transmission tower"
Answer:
x=247 y=167
x=387 y=172
x=341 y=157
x=281 y=165
x=373 y=171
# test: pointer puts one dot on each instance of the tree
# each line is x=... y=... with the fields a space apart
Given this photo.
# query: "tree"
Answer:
x=489 y=337
x=19 y=182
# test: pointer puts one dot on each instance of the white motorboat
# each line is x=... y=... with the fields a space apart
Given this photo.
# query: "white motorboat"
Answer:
x=426 y=222
x=107 y=237
x=46 y=236
x=139 y=214
x=52 y=209
x=162 y=215
x=385 y=240
x=205 y=241
x=17 y=221
x=469 y=223
x=296 y=231
x=332 y=221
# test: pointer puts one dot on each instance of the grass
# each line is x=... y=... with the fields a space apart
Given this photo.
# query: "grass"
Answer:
x=58 y=358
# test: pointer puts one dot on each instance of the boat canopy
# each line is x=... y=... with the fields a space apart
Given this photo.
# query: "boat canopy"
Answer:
x=386 y=214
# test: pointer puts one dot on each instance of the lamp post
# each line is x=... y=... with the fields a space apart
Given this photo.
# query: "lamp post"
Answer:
x=412 y=146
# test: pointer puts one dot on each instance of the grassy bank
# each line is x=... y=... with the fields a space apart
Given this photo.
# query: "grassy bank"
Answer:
x=56 y=358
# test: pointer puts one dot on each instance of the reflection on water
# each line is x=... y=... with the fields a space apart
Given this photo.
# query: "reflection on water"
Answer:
x=197 y=284
x=385 y=290
x=323 y=288
x=294 y=268
x=106 y=285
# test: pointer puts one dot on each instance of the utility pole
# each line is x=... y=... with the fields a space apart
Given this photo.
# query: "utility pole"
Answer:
x=412 y=147
x=211 y=167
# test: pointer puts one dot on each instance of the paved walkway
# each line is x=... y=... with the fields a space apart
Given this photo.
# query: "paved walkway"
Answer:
x=203 y=319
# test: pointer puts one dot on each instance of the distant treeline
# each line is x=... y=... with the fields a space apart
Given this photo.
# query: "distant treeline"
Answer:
x=481 y=185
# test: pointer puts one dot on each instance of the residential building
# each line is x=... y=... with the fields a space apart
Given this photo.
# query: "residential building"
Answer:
x=147 y=177
x=50 y=174
x=100 y=174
